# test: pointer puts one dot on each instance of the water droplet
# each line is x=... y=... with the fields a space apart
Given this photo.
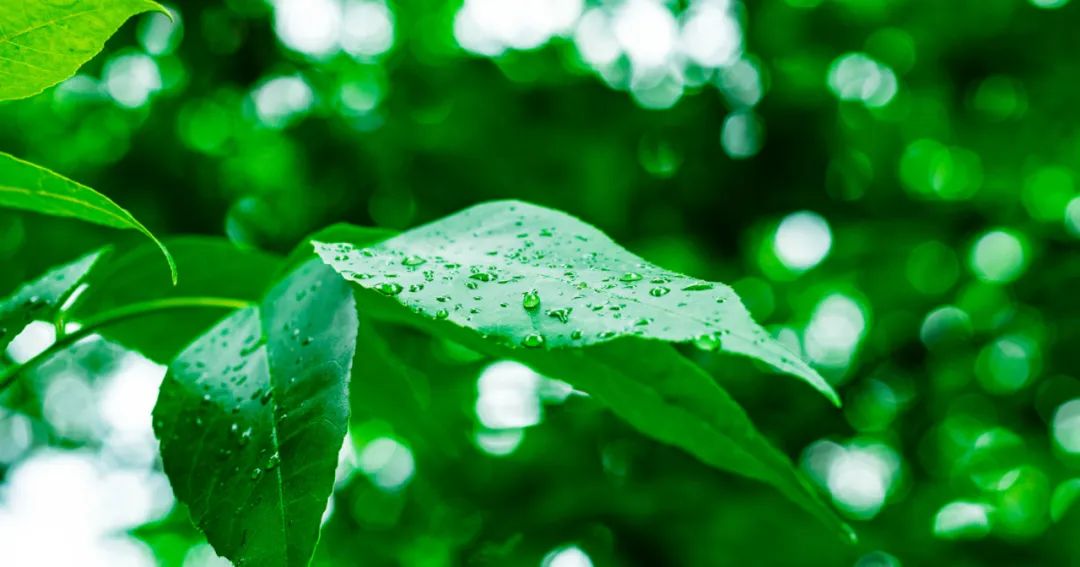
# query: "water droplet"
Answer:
x=630 y=277
x=659 y=291
x=707 y=342
x=576 y=334
x=701 y=286
x=307 y=341
x=530 y=300
x=533 y=340
x=607 y=334
x=441 y=314
x=413 y=260
x=481 y=276
x=660 y=280
x=389 y=288
x=256 y=473
x=563 y=315
x=273 y=461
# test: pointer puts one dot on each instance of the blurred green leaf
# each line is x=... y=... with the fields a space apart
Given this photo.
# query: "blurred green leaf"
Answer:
x=252 y=416
x=24 y=185
x=45 y=42
x=42 y=298
x=537 y=278
x=213 y=267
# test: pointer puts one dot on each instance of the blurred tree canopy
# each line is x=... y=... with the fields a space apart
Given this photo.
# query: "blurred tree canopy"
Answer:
x=890 y=185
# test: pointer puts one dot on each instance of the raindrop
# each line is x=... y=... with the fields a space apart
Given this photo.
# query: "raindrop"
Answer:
x=413 y=260
x=607 y=334
x=708 y=342
x=630 y=277
x=530 y=300
x=256 y=473
x=441 y=314
x=273 y=461
x=702 y=286
x=389 y=288
x=576 y=334
x=481 y=276
x=659 y=291
x=563 y=315
x=533 y=340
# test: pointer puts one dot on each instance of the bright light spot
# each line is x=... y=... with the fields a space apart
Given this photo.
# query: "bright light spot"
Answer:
x=1072 y=217
x=388 y=463
x=962 y=520
x=92 y=504
x=368 y=29
x=508 y=396
x=998 y=256
x=16 y=435
x=500 y=442
x=742 y=135
x=1066 y=426
x=859 y=476
x=595 y=39
x=158 y=34
x=69 y=406
x=710 y=36
x=802 y=240
x=741 y=83
x=281 y=100
x=647 y=32
x=569 y=556
x=657 y=91
x=1048 y=4
x=35 y=338
x=308 y=26
x=203 y=555
x=1006 y=365
x=489 y=27
x=131 y=79
x=858 y=77
x=835 y=329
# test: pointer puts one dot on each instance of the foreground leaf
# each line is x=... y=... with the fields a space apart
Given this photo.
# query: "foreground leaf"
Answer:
x=654 y=389
x=529 y=276
x=41 y=298
x=215 y=271
x=45 y=42
x=24 y=185
x=252 y=416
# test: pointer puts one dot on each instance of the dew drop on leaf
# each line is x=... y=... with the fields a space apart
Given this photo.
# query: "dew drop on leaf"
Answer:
x=702 y=286
x=413 y=260
x=530 y=300
x=659 y=291
x=533 y=340
x=389 y=288
x=630 y=277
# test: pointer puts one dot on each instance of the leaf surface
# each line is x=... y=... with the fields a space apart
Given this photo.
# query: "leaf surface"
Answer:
x=43 y=42
x=26 y=186
x=532 y=277
x=41 y=298
x=214 y=269
x=252 y=417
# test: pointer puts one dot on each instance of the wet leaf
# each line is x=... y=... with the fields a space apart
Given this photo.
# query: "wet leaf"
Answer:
x=43 y=42
x=252 y=417
x=532 y=277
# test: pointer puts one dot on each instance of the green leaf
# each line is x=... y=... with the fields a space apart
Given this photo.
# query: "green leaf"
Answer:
x=24 y=185
x=43 y=42
x=252 y=417
x=42 y=298
x=533 y=277
x=653 y=388
x=214 y=268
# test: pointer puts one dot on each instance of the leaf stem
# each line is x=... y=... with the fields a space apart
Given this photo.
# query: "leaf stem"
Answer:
x=119 y=315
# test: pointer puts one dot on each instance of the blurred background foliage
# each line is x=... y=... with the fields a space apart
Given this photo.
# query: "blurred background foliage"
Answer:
x=891 y=186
